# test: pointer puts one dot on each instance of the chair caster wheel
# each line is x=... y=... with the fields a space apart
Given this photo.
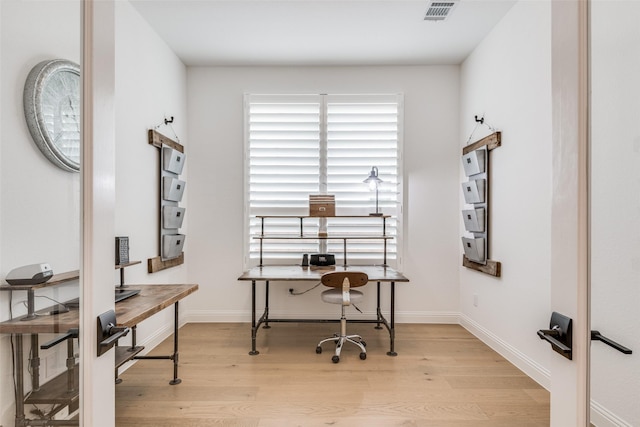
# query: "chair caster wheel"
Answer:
x=318 y=350
x=363 y=355
x=335 y=359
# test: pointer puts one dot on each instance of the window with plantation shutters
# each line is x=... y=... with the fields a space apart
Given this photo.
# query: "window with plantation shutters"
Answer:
x=297 y=145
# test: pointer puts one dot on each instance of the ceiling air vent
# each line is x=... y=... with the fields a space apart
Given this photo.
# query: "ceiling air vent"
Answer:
x=439 y=10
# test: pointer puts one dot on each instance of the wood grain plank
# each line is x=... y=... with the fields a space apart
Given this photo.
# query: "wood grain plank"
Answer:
x=157 y=140
x=442 y=377
x=157 y=264
x=491 y=141
x=151 y=300
x=493 y=268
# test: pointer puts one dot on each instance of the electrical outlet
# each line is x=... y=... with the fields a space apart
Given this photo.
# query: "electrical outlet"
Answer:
x=475 y=300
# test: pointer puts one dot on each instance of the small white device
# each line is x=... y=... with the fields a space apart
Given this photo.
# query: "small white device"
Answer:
x=32 y=274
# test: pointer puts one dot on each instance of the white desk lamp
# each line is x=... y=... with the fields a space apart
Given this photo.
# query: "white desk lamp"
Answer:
x=374 y=181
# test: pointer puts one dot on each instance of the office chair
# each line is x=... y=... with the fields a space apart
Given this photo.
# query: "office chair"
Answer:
x=341 y=283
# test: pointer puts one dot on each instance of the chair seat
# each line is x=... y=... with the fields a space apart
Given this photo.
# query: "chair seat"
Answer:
x=334 y=296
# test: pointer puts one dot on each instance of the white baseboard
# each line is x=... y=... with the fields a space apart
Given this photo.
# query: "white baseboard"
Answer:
x=601 y=417
x=530 y=367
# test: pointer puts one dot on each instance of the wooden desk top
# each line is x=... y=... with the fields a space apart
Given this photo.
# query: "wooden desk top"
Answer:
x=298 y=273
x=130 y=312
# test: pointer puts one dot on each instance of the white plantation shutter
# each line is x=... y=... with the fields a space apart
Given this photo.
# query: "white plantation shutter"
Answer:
x=363 y=131
x=312 y=144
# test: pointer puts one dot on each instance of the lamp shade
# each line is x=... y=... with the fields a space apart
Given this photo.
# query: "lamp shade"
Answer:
x=373 y=179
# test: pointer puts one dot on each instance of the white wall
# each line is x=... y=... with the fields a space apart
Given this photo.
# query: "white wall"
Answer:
x=508 y=80
x=615 y=203
x=150 y=85
x=216 y=185
x=39 y=203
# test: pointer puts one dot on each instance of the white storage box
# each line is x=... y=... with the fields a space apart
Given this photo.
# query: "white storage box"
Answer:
x=474 y=162
x=172 y=216
x=172 y=160
x=172 y=245
x=473 y=191
x=474 y=220
x=474 y=249
x=172 y=189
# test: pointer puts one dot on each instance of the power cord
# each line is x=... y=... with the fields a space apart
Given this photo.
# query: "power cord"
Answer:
x=294 y=293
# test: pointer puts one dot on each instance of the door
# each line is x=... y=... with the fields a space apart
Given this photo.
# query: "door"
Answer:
x=40 y=202
x=615 y=211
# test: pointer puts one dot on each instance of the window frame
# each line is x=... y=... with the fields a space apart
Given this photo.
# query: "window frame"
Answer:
x=324 y=99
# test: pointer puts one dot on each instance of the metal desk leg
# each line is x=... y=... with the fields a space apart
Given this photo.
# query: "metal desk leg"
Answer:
x=253 y=351
x=71 y=366
x=175 y=379
x=392 y=329
x=20 y=418
x=34 y=362
x=175 y=356
x=378 y=311
x=266 y=306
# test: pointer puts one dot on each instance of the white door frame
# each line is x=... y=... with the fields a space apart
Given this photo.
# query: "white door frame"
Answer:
x=569 y=211
x=97 y=385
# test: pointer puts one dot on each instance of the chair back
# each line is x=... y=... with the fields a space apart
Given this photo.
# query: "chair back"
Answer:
x=335 y=279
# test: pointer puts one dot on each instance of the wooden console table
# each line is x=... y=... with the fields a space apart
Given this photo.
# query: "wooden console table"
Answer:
x=63 y=390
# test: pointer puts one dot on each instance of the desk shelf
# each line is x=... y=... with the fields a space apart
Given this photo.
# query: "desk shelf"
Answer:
x=321 y=237
x=126 y=353
x=317 y=236
x=56 y=390
x=127 y=264
x=56 y=279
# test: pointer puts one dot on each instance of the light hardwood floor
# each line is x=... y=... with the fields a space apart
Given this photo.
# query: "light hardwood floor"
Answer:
x=442 y=377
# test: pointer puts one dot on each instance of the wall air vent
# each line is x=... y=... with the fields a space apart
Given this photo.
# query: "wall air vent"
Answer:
x=439 y=10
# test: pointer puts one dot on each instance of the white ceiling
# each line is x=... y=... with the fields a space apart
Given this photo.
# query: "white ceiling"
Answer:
x=319 y=32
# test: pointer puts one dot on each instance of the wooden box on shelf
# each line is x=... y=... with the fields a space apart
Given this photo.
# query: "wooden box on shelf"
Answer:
x=322 y=205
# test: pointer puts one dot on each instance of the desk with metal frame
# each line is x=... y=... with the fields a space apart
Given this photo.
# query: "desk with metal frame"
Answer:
x=63 y=390
x=268 y=273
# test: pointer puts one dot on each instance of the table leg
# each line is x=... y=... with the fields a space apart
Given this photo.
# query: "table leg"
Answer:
x=175 y=357
x=20 y=418
x=253 y=351
x=71 y=366
x=266 y=306
x=378 y=311
x=392 y=330
x=34 y=362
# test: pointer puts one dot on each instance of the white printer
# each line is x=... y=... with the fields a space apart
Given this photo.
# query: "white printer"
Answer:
x=32 y=274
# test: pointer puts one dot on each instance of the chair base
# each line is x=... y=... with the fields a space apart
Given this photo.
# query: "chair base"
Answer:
x=339 y=341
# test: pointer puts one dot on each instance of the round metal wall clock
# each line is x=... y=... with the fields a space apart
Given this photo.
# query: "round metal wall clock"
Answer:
x=52 y=111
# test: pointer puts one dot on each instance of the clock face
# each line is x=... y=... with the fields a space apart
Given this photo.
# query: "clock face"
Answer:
x=52 y=111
